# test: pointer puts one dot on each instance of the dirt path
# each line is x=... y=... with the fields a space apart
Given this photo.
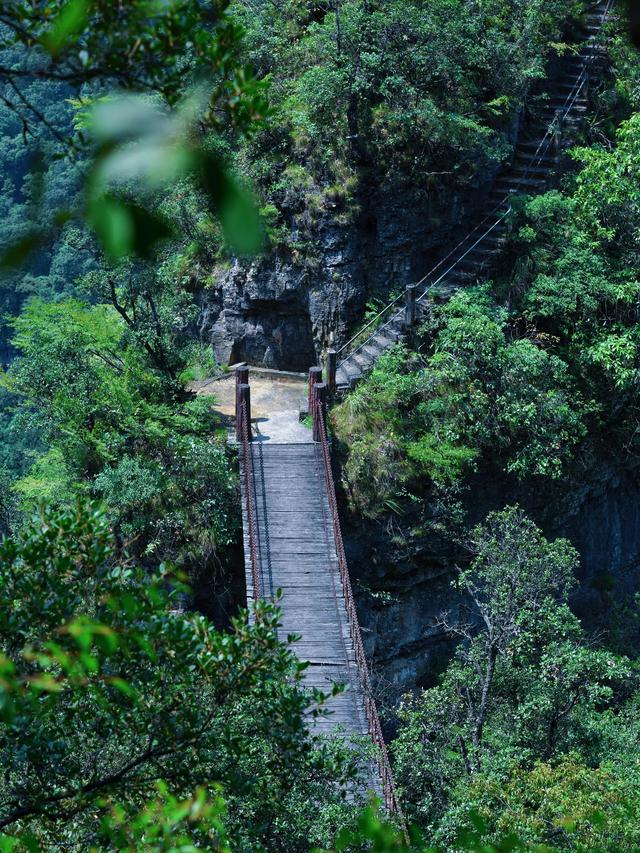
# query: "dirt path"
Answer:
x=276 y=401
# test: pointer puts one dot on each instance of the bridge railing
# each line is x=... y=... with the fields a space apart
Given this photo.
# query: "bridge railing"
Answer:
x=243 y=436
x=392 y=803
x=550 y=138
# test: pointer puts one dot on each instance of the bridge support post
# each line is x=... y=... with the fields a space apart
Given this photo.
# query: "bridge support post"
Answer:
x=331 y=368
x=242 y=378
x=319 y=408
x=557 y=134
x=315 y=376
x=243 y=406
x=410 y=305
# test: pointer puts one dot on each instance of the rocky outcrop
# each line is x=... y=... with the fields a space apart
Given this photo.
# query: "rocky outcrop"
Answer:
x=284 y=310
x=403 y=583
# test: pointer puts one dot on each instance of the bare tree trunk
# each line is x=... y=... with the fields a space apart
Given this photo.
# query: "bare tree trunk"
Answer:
x=484 y=702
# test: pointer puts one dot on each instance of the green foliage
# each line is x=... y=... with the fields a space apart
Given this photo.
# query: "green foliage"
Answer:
x=566 y=804
x=200 y=364
x=114 y=429
x=85 y=40
x=525 y=685
x=370 y=424
x=526 y=385
x=607 y=195
x=407 y=90
x=181 y=53
x=444 y=461
x=577 y=283
x=107 y=687
x=475 y=391
x=169 y=825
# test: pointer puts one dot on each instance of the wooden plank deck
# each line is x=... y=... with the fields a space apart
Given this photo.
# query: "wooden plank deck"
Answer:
x=297 y=555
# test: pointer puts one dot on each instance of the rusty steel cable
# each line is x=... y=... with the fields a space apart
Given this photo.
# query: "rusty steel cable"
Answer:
x=373 y=721
x=250 y=503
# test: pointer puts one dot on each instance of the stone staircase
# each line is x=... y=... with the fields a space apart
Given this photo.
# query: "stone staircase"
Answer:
x=532 y=170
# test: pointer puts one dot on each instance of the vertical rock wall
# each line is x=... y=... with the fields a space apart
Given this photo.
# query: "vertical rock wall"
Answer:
x=402 y=589
x=283 y=310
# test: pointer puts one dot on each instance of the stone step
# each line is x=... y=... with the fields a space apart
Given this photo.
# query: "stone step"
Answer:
x=479 y=259
x=530 y=164
x=387 y=339
x=351 y=370
x=565 y=93
x=396 y=323
x=497 y=243
x=561 y=104
x=362 y=360
x=372 y=349
x=530 y=144
x=466 y=273
x=482 y=250
x=565 y=86
x=342 y=382
x=575 y=70
x=572 y=122
x=574 y=86
x=544 y=159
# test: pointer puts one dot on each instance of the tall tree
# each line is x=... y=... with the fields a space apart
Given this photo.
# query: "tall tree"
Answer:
x=107 y=687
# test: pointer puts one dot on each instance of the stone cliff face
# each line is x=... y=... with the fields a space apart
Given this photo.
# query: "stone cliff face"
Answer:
x=600 y=515
x=283 y=311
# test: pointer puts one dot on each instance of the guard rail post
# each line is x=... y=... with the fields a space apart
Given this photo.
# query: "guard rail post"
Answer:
x=315 y=375
x=410 y=306
x=242 y=378
x=319 y=409
x=244 y=411
x=331 y=368
x=557 y=134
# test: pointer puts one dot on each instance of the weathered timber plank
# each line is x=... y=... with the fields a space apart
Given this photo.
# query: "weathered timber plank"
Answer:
x=297 y=555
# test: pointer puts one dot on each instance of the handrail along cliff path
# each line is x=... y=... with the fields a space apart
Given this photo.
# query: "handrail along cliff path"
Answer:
x=534 y=163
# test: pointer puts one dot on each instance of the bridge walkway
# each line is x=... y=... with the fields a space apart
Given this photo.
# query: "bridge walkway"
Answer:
x=297 y=555
x=293 y=544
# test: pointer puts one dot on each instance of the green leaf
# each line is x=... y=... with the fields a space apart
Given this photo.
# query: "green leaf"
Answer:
x=149 y=229
x=236 y=208
x=113 y=224
x=71 y=21
x=125 y=228
x=123 y=686
x=46 y=683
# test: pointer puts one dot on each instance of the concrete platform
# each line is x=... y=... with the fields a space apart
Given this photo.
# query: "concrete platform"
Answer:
x=276 y=402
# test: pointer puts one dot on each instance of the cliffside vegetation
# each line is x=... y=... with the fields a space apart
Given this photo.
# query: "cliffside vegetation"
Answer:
x=396 y=93
x=529 y=374
x=530 y=714
x=127 y=720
